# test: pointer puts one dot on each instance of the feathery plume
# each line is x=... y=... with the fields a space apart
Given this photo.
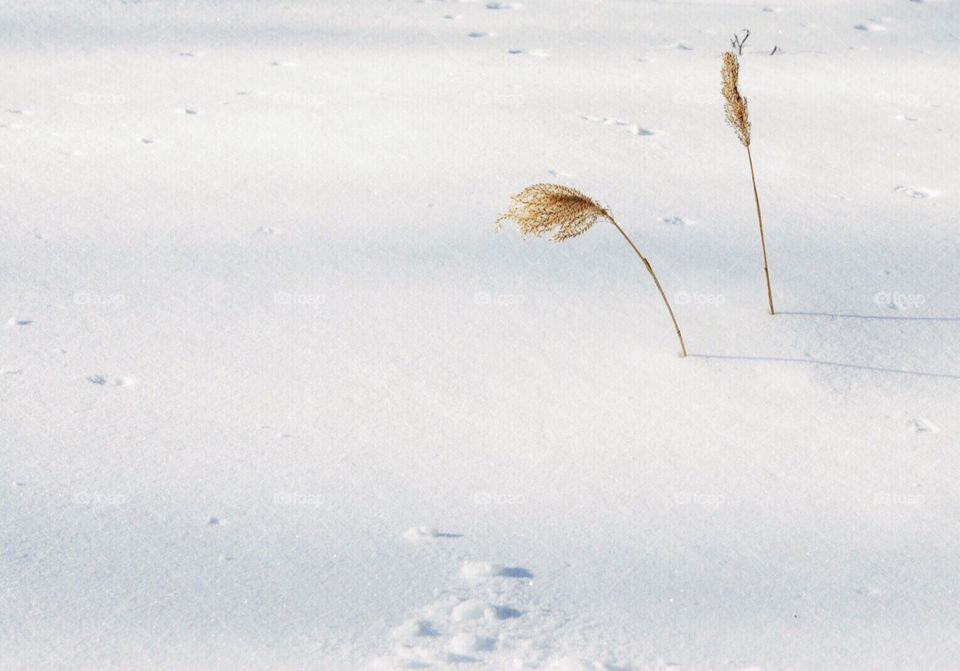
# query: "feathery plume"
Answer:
x=735 y=108
x=542 y=208
x=567 y=213
x=735 y=105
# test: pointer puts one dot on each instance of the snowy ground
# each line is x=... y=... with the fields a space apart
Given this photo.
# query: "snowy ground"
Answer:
x=275 y=395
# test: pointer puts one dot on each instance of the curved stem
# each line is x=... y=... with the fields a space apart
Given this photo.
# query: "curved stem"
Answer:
x=763 y=244
x=683 y=348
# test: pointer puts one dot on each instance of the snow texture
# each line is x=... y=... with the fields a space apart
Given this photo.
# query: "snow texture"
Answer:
x=275 y=395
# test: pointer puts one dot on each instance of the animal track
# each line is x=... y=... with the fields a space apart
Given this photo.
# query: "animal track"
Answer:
x=471 y=625
x=487 y=618
x=921 y=425
x=425 y=534
x=918 y=192
x=872 y=26
x=678 y=221
x=630 y=127
x=107 y=381
x=536 y=53
x=476 y=571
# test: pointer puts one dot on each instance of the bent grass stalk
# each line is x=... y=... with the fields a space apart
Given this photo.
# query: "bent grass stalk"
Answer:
x=738 y=117
x=566 y=213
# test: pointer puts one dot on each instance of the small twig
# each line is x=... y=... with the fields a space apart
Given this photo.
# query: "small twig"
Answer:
x=737 y=42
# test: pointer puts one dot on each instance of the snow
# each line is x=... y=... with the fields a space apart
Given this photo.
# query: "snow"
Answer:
x=274 y=394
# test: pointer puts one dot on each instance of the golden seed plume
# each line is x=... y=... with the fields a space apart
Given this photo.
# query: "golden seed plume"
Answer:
x=546 y=208
x=735 y=105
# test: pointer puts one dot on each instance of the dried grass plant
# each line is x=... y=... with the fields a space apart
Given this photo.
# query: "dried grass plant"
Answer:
x=738 y=117
x=566 y=213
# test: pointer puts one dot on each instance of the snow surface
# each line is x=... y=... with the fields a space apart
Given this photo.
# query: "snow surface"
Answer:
x=274 y=395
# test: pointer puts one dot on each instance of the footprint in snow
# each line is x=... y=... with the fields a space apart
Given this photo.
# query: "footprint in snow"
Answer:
x=477 y=571
x=417 y=534
x=479 y=33
x=630 y=127
x=472 y=624
x=504 y=5
x=283 y=64
x=678 y=221
x=475 y=609
x=466 y=643
x=917 y=192
x=189 y=111
x=490 y=620
x=107 y=381
x=536 y=53
x=921 y=425
x=872 y=26
x=13 y=321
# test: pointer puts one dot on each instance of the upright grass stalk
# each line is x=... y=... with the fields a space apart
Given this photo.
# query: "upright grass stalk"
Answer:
x=566 y=213
x=738 y=117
